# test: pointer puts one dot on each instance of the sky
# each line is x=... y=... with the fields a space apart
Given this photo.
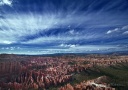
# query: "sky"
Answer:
x=63 y=26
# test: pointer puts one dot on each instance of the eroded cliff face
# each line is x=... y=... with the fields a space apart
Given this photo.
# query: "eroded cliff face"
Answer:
x=29 y=72
x=35 y=73
x=10 y=67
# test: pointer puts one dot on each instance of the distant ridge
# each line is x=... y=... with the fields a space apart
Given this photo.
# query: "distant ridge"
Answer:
x=61 y=54
x=4 y=55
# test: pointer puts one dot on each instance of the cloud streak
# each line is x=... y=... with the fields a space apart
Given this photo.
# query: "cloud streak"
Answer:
x=122 y=30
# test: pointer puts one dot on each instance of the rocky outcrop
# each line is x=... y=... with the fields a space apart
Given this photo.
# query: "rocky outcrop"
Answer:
x=88 y=85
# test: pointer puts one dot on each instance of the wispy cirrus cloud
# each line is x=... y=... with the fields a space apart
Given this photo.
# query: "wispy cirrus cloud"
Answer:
x=63 y=26
x=112 y=31
x=126 y=32
x=122 y=30
x=15 y=28
x=24 y=25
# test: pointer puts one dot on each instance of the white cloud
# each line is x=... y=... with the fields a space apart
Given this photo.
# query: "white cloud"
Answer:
x=121 y=30
x=72 y=46
x=71 y=31
x=10 y=48
x=126 y=32
x=6 y=2
x=68 y=45
x=109 y=31
x=63 y=45
x=112 y=31
x=125 y=27
x=7 y=42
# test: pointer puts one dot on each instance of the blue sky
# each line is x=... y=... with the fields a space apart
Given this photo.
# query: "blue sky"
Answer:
x=63 y=26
